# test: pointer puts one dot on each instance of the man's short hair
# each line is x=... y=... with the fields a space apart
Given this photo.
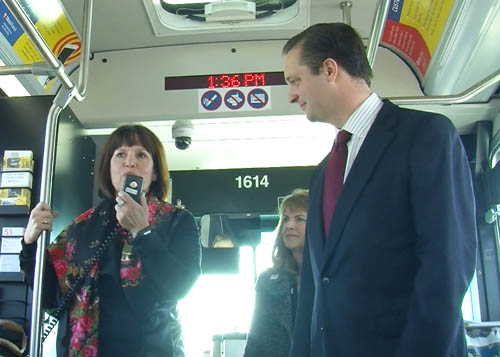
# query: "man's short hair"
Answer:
x=332 y=40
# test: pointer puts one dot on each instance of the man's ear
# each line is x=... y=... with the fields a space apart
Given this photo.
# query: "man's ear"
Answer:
x=330 y=68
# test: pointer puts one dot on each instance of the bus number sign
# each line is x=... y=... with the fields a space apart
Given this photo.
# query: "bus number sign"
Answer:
x=247 y=181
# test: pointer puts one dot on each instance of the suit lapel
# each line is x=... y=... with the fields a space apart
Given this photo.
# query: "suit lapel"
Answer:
x=376 y=142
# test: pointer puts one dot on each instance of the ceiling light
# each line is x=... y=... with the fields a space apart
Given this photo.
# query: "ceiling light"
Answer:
x=46 y=10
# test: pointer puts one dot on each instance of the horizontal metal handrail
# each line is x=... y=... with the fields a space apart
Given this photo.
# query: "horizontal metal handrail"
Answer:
x=460 y=98
x=16 y=69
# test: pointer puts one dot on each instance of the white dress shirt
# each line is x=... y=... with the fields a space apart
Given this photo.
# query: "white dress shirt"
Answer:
x=358 y=124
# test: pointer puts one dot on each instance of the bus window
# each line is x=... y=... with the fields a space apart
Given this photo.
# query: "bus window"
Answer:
x=218 y=304
x=221 y=303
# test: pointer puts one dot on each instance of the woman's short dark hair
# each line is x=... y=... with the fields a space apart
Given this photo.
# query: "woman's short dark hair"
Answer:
x=333 y=40
x=282 y=256
x=130 y=135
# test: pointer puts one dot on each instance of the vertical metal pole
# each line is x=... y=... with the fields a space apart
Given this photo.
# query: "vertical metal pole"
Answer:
x=85 y=49
x=492 y=216
x=497 y=233
x=45 y=196
x=346 y=10
x=377 y=30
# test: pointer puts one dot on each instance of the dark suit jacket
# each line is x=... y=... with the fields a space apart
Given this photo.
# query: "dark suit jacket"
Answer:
x=390 y=278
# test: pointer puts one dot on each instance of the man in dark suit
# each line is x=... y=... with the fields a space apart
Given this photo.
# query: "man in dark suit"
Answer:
x=389 y=257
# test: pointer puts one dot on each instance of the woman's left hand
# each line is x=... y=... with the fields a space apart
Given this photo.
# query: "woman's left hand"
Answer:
x=131 y=215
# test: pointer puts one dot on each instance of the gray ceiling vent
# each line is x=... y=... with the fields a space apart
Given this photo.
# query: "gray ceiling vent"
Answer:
x=227 y=15
x=229 y=11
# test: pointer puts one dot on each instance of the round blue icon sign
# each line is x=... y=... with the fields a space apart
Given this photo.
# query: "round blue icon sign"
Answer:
x=234 y=99
x=211 y=100
x=257 y=98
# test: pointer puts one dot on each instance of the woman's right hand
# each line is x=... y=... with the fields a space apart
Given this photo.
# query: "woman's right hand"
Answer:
x=41 y=219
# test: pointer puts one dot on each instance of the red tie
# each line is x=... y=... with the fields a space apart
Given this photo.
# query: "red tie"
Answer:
x=334 y=177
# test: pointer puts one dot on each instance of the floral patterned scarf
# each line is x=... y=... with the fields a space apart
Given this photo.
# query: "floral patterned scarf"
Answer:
x=73 y=249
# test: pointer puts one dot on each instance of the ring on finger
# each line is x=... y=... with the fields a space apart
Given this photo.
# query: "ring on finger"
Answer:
x=120 y=203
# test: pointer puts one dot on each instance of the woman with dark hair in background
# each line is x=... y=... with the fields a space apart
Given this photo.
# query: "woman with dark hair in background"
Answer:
x=272 y=325
x=115 y=274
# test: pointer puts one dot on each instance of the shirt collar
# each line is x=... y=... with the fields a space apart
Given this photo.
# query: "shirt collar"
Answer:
x=363 y=117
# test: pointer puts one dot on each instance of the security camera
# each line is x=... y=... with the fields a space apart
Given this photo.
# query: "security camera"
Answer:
x=182 y=133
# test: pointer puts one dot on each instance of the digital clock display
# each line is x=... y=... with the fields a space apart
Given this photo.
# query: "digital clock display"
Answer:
x=225 y=80
x=236 y=80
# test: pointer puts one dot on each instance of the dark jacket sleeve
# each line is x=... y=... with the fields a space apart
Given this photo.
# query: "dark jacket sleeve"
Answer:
x=170 y=258
x=272 y=321
x=442 y=201
x=260 y=332
x=302 y=332
x=254 y=346
x=50 y=285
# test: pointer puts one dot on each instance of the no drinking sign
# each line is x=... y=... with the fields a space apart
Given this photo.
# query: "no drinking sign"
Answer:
x=234 y=99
